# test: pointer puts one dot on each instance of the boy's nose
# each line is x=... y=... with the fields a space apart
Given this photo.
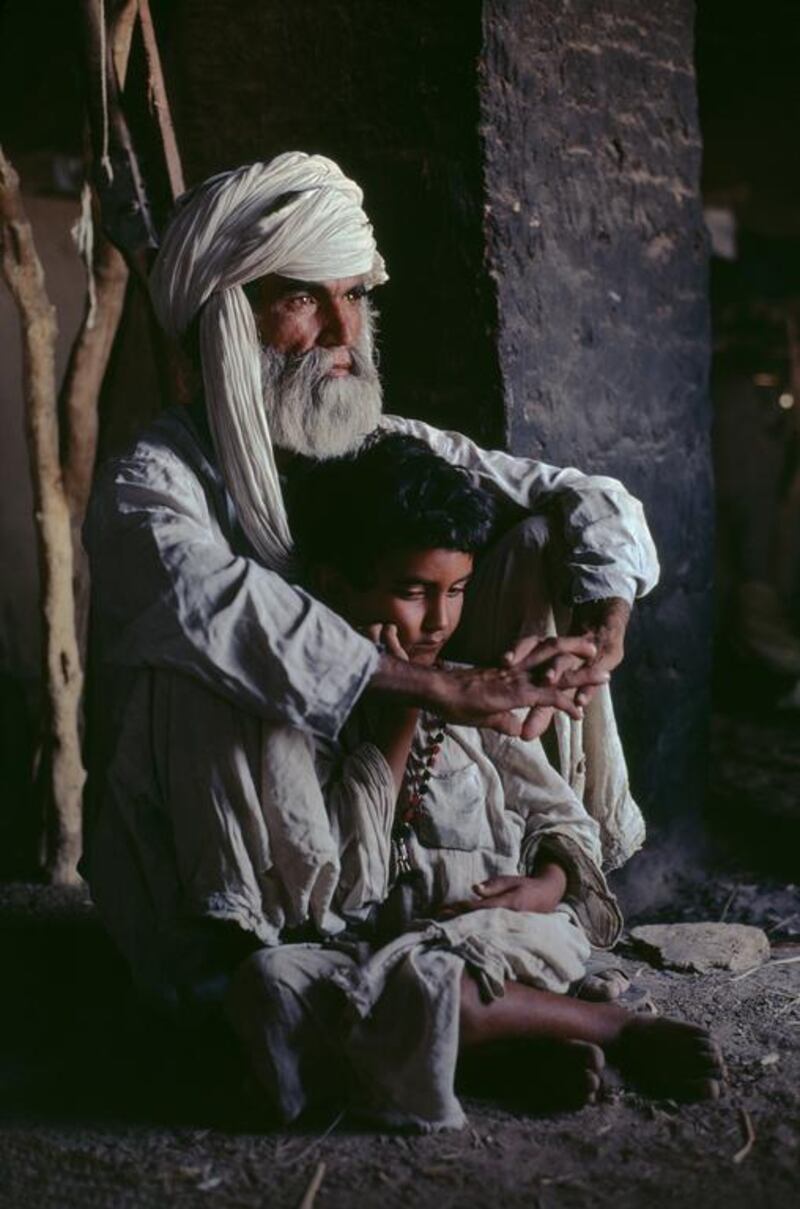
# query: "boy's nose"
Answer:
x=436 y=615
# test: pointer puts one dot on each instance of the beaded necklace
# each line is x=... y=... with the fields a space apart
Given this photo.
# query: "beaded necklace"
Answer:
x=415 y=786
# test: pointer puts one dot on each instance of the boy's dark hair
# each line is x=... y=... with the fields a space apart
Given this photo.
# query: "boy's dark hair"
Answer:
x=393 y=493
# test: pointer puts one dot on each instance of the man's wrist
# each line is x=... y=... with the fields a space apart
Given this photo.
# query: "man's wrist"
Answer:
x=605 y=623
x=612 y=612
x=409 y=684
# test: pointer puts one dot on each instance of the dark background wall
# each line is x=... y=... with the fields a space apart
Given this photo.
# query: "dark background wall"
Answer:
x=598 y=251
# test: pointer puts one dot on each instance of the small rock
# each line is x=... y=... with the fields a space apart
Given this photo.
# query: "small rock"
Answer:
x=700 y=947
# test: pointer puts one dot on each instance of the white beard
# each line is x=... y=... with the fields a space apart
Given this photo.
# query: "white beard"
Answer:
x=316 y=415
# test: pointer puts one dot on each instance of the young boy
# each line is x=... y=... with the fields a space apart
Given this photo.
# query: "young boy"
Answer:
x=469 y=874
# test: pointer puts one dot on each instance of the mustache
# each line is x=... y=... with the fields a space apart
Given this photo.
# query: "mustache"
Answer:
x=315 y=365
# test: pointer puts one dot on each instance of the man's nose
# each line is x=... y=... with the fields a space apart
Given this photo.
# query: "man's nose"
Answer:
x=340 y=325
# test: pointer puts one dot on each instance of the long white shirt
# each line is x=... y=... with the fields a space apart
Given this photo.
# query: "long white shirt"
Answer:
x=175 y=584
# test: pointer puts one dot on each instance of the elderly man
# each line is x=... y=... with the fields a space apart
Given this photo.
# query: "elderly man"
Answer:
x=214 y=669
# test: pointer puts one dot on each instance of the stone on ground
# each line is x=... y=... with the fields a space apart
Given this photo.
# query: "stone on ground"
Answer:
x=700 y=947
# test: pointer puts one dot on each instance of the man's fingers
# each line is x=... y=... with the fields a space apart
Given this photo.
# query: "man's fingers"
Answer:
x=538 y=718
x=536 y=722
x=556 y=697
x=549 y=649
x=566 y=703
x=496 y=698
x=591 y=675
x=560 y=666
x=584 y=695
x=520 y=650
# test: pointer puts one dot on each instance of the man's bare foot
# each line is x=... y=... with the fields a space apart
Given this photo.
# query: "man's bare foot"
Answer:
x=534 y=1075
x=668 y=1058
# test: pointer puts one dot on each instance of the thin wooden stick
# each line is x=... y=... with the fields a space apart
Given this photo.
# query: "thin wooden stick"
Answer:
x=107 y=278
x=728 y=903
x=23 y=272
x=86 y=370
x=766 y=965
x=310 y=1194
x=158 y=94
x=749 y=1136
x=121 y=36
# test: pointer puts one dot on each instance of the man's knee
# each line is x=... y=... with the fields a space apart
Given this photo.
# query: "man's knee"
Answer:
x=512 y=593
x=533 y=534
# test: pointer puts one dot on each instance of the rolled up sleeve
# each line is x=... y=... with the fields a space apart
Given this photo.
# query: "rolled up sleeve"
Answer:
x=610 y=551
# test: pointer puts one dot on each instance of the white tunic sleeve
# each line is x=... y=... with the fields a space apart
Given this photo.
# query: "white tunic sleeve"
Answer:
x=360 y=796
x=555 y=823
x=169 y=592
x=610 y=550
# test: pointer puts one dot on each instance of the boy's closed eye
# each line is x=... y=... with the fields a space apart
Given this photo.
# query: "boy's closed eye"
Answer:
x=420 y=590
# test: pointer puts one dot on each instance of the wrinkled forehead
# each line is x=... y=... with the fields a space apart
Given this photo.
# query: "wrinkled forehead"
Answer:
x=279 y=285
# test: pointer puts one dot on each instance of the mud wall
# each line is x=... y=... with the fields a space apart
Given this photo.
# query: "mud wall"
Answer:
x=596 y=247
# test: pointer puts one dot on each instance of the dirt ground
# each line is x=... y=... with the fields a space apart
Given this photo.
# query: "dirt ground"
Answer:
x=103 y=1106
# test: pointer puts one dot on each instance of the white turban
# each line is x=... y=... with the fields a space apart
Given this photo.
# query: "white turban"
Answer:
x=299 y=216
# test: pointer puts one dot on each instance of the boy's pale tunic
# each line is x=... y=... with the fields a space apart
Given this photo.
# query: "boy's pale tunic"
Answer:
x=372 y=1016
x=212 y=675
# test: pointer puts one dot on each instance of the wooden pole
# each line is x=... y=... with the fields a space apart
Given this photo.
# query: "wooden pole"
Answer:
x=107 y=279
x=64 y=770
x=86 y=370
x=158 y=97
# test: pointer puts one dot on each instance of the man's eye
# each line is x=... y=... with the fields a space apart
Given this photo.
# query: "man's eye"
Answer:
x=357 y=293
x=456 y=591
x=298 y=301
x=411 y=594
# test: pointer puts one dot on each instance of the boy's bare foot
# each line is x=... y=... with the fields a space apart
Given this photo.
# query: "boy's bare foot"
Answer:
x=534 y=1075
x=604 y=985
x=668 y=1058
x=663 y=1057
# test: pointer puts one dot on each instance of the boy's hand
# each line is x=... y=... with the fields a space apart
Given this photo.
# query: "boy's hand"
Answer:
x=541 y=893
x=384 y=634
